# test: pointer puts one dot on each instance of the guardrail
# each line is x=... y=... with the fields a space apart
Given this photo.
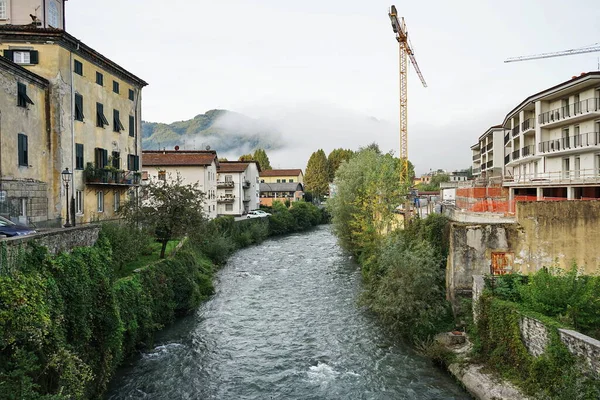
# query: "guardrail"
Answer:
x=571 y=110
x=570 y=142
x=580 y=176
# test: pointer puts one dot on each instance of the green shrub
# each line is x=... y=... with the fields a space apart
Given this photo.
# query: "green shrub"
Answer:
x=126 y=242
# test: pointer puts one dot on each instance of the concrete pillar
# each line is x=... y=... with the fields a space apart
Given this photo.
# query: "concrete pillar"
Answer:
x=570 y=193
x=511 y=200
x=540 y=193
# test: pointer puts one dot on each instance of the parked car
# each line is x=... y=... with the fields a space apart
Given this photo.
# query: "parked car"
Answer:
x=257 y=214
x=10 y=229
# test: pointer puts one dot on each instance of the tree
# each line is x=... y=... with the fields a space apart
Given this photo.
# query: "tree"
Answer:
x=316 y=178
x=434 y=184
x=246 y=157
x=171 y=209
x=260 y=156
x=335 y=159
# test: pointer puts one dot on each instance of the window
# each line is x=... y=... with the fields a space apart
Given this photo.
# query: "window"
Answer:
x=79 y=202
x=228 y=207
x=278 y=180
x=228 y=178
x=23 y=150
x=116 y=160
x=133 y=162
x=78 y=68
x=262 y=181
x=291 y=181
x=22 y=98
x=117 y=126
x=22 y=56
x=100 y=157
x=101 y=120
x=577 y=166
x=100 y=201
x=3 y=12
x=162 y=175
x=23 y=207
x=131 y=126
x=566 y=167
x=115 y=86
x=99 y=78
x=53 y=15
x=78 y=156
x=117 y=201
x=131 y=95
x=283 y=181
x=78 y=107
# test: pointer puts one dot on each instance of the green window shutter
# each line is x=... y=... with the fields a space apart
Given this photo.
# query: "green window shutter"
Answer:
x=104 y=157
x=129 y=162
x=131 y=126
x=10 y=54
x=79 y=107
x=137 y=163
x=23 y=150
x=116 y=159
x=20 y=148
x=131 y=95
x=34 y=57
x=78 y=156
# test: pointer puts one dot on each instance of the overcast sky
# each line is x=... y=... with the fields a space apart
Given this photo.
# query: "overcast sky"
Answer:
x=323 y=67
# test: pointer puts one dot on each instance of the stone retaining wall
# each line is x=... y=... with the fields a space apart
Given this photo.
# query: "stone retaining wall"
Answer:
x=534 y=335
x=584 y=346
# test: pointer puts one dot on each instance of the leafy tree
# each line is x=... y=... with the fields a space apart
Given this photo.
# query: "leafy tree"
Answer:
x=222 y=159
x=336 y=158
x=434 y=184
x=171 y=209
x=246 y=157
x=261 y=157
x=316 y=178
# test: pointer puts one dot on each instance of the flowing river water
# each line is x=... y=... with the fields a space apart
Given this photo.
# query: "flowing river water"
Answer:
x=284 y=324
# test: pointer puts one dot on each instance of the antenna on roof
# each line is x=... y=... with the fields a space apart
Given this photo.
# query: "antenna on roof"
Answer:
x=207 y=147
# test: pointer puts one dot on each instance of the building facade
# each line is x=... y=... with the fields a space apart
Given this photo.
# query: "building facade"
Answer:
x=280 y=191
x=38 y=13
x=552 y=144
x=488 y=153
x=192 y=166
x=282 y=176
x=25 y=150
x=94 y=114
x=238 y=187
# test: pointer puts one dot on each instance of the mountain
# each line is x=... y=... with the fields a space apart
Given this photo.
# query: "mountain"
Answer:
x=225 y=131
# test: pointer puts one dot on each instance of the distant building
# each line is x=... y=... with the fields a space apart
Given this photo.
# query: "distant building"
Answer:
x=271 y=192
x=193 y=166
x=238 y=187
x=282 y=176
x=488 y=153
x=37 y=13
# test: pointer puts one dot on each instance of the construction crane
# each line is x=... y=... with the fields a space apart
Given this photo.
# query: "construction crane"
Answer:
x=588 y=49
x=406 y=50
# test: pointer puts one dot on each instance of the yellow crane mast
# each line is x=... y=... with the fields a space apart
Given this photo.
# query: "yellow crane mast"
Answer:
x=406 y=51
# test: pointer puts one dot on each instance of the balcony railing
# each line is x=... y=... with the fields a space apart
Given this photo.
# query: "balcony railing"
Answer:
x=516 y=130
x=476 y=171
x=476 y=157
x=101 y=176
x=226 y=184
x=581 y=107
x=246 y=184
x=515 y=155
x=579 y=176
x=528 y=150
x=226 y=199
x=528 y=124
x=506 y=159
x=570 y=142
x=506 y=138
x=489 y=164
x=489 y=146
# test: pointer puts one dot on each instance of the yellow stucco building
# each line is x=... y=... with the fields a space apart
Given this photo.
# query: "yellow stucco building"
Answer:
x=282 y=176
x=92 y=120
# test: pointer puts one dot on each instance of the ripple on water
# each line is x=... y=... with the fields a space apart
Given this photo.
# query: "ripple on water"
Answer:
x=283 y=324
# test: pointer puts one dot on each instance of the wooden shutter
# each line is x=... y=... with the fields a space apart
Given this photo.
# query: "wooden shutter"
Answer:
x=104 y=157
x=10 y=54
x=78 y=156
x=131 y=126
x=34 y=57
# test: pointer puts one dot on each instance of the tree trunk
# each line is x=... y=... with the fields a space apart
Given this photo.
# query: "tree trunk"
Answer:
x=164 y=247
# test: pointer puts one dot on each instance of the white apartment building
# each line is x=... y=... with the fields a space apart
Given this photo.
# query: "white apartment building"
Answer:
x=193 y=166
x=238 y=187
x=552 y=145
x=488 y=153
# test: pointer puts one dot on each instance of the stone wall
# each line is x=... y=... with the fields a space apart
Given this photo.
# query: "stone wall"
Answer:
x=534 y=335
x=56 y=241
x=584 y=346
x=34 y=192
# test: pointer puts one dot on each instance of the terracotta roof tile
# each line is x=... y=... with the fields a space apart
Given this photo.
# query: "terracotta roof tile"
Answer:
x=177 y=158
x=281 y=172
x=232 y=166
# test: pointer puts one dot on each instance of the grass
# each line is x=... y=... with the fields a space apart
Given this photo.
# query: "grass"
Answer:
x=145 y=260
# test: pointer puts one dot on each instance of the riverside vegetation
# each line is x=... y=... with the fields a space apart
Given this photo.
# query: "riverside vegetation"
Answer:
x=68 y=321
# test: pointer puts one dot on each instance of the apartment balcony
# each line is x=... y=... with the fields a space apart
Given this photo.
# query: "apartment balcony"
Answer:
x=516 y=130
x=476 y=171
x=226 y=199
x=247 y=198
x=246 y=184
x=528 y=151
x=556 y=178
x=489 y=146
x=528 y=126
x=515 y=155
x=572 y=113
x=506 y=159
x=506 y=138
x=225 y=185
x=476 y=157
x=105 y=177
x=571 y=144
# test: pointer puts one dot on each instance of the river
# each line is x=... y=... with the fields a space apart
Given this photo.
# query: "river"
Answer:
x=284 y=324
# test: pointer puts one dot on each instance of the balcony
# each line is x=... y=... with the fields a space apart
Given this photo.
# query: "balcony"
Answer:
x=506 y=159
x=570 y=144
x=506 y=138
x=109 y=177
x=489 y=164
x=476 y=157
x=571 y=177
x=516 y=130
x=246 y=184
x=572 y=112
x=229 y=198
x=515 y=155
x=476 y=171
x=225 y=185
x=247 y=198
x=528 y=151
x=489 y=146
x=528 y=125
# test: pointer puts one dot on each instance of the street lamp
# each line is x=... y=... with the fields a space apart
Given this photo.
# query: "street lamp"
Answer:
x=66 y=178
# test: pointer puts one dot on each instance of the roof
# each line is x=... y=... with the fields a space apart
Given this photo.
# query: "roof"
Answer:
x=17 y=70
x=281 y=172
x=235 y=166
x=31 y=34
x=534 y=97
x=164 y=158
x=281 y=187
x=491 y=129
